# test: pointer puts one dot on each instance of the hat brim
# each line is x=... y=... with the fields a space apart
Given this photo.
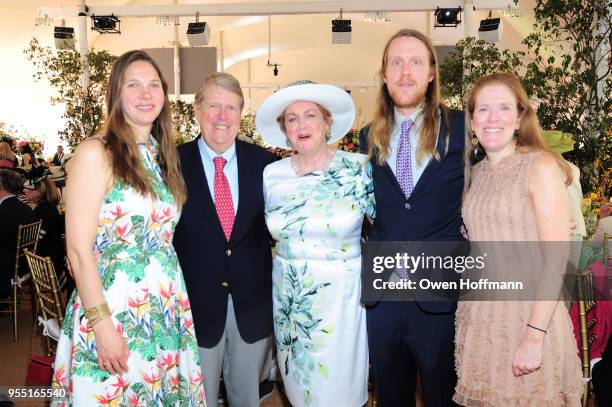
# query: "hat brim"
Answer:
x=336 y=100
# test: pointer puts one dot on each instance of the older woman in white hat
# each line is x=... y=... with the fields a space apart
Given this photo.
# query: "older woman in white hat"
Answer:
x=315 y=204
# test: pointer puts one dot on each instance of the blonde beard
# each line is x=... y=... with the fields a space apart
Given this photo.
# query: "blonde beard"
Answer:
x=409 y=101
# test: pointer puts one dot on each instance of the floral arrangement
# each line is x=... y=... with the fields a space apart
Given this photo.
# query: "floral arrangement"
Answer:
x=35 y=145
x=350 y=142
x=6 y=136
x=591 y=205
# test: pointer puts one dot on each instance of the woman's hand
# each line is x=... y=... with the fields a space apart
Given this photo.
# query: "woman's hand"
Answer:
x=528 y=355
x=112 y=349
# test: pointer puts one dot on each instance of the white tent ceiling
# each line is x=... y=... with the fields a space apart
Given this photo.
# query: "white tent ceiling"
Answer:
x=300 y=43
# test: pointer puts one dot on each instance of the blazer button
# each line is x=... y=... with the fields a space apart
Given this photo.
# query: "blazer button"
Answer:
x=228 y=252
x=407 y=206
x=225 y=284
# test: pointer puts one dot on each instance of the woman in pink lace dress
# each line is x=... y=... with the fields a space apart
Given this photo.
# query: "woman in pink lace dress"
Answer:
x=515 y=353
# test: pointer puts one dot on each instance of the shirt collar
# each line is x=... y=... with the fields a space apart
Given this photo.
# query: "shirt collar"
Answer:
x=415 y=116
x=228 y=154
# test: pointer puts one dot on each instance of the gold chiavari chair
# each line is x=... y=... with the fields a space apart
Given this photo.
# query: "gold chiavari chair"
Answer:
x=27 y=239
x=48 y=299
x=586 y=303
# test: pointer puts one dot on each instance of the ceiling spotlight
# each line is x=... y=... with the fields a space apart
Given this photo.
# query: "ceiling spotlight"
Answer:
x=198 y=33
x=341 y=30
x=447 y=17
x=274 y=67
x=106 y=24
x=64 y=37
x=490 y=29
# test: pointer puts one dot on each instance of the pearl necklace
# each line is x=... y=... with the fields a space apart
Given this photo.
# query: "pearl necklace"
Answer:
x=320 y=164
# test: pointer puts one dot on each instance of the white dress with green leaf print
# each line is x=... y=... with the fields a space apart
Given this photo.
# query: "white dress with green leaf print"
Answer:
x=319 y=324
x=144 y=288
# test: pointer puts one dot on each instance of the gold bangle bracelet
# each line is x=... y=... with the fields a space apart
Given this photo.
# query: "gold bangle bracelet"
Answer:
x=93 y=322
x=97 y=313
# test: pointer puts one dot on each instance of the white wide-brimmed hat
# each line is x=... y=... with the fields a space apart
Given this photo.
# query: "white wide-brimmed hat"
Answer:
x=336 y=100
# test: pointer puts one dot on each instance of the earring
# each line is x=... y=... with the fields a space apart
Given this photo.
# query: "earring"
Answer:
x=328 y=136
x=288 y=142
x=475 y=152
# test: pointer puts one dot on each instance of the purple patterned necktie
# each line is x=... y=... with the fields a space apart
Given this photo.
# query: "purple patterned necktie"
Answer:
x=403 y=166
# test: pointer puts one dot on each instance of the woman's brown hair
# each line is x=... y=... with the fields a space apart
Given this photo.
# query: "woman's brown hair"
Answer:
x=379 y=135
x=121 y=140
x=5 y=151
x=48 y=191
x=529 y=133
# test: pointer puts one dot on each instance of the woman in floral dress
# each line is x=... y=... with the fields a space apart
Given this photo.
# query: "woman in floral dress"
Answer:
x=315 y=205
x=128 y=336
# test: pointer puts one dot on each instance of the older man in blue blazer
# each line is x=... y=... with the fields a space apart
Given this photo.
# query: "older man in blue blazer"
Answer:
x=416 y=146
x=223 y=245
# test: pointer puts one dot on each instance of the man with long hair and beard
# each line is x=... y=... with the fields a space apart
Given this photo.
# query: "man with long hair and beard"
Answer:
x=416 y=146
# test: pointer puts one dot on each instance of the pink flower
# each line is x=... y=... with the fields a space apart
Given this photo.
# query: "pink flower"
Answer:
x=197 y=379
x=134 y=399
x=122 y=230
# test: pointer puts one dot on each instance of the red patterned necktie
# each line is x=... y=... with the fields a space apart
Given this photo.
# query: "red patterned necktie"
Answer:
x=223 y=198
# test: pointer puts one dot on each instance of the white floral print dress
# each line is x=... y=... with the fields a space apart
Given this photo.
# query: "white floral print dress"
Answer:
x=319 y=324
x=144 y=288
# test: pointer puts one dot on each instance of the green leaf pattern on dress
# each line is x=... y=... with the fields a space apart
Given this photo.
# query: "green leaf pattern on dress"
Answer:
x=295 y=325
x=134 y=249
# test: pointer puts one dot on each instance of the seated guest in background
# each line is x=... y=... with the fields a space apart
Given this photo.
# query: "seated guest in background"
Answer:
x=58 y=157
x=42 y=192
x=511 y=353
x=12 y=214
x=27 y=155
x=8 y=159
x=38 y=154
x=315 y=205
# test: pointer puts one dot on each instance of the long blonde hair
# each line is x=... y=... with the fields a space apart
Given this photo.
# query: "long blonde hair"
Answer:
x=5 y=151
x=121 y=142
x=529 y=133
x=379 y=135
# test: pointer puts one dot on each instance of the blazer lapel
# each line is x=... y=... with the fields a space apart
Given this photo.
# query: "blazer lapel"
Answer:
x=430 y=169
x=199 y=186
x=245 y=180
x=389 y=172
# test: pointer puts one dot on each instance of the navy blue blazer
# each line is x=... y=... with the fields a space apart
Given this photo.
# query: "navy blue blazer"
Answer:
x=433 y=210
x=214 y=267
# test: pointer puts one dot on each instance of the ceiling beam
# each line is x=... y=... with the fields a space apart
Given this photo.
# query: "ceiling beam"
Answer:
x=264 y=9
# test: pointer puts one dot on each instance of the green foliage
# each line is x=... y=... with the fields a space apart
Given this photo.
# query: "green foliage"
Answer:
x=559 y=73
x=567 y=55
x=478 y=58
x=249 y=130
x=183 y=116
x=84 y=107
